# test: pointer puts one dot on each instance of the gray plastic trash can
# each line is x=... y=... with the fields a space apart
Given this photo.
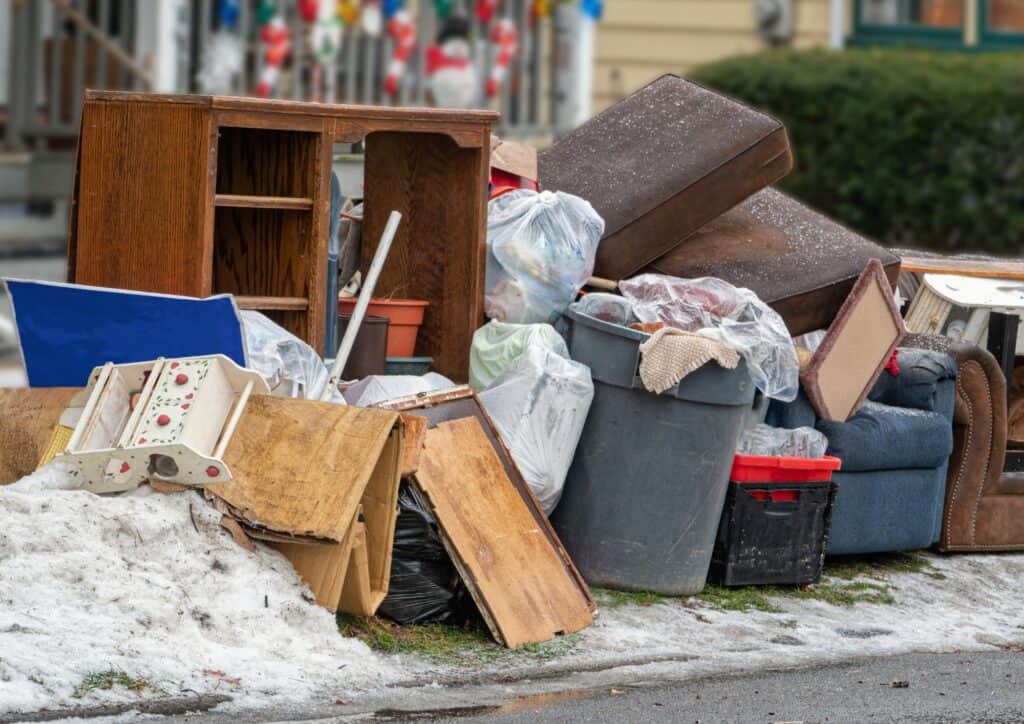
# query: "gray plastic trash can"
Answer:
x=644 y=495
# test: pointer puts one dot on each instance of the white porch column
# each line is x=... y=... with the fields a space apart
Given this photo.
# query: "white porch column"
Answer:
x=837 y=23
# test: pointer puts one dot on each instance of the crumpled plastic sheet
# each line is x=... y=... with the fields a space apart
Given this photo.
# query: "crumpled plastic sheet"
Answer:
x=290 y=367
x=539 y=405
x=375 y=389
x=734 y=316
x=540 y=252
x=610 y=308
x=424 y=586
x=496 y=344
x=801 y=442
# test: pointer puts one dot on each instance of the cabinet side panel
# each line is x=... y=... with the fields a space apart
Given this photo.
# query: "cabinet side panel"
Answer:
x=143 y=194
x=438 y=254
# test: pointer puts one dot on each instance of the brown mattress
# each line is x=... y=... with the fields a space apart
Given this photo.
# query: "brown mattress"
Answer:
x=661 y=163
x=797 y=260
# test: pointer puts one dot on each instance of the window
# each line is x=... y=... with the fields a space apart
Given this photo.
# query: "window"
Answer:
x=910 y=13
x=1002 y=23
x=955 y=24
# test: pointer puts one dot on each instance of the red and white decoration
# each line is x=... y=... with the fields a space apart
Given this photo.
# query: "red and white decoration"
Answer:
x=505 y=36
x=402 y=30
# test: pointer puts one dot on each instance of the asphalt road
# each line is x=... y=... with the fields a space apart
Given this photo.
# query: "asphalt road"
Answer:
x=920 y=688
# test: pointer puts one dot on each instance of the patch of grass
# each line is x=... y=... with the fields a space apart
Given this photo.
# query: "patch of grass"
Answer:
x=108 y=680
x=879 y=567
x=610 y=598
x=844 y=593
x=446 y=644
x=739 y=599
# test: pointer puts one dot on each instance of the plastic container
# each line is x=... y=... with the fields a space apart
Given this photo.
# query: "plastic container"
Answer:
x=405 y=316
x=774 y=526
x=644 y=495
x=368 y=352
x=416 y=366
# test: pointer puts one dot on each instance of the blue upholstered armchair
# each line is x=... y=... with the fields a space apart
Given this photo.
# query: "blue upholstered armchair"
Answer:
x=895 y=452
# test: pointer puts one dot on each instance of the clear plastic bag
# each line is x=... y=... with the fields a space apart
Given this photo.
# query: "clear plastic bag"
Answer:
x=540 y=251
x=290 y=367
x=539 y=406
x=801 y=442
x=606 y=307
x=496 y=344
x=734 y=316
x=375 y=389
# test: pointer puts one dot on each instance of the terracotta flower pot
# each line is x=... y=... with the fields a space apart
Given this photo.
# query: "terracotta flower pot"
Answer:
x=405 y=317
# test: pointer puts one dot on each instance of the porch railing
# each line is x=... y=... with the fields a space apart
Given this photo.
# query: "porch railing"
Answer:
x=60 y=47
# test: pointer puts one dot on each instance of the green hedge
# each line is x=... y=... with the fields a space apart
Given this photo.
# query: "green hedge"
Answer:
x=911 y=148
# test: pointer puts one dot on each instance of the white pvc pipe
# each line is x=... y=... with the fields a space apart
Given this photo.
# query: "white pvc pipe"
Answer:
x=349 y=340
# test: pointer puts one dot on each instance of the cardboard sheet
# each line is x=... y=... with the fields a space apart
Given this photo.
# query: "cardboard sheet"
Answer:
x=319 y=480
x=858 y=344
x=518 y=579
x=29 y=416
x=66 y=330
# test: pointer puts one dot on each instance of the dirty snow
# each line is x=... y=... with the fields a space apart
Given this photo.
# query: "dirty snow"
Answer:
x=975 y=607
x=91 y=584
x=150 y=585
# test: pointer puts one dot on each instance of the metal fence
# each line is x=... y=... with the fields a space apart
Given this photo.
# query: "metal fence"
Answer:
x=60 y=47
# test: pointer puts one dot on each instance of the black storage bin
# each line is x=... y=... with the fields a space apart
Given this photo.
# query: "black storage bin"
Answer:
x=773 y=533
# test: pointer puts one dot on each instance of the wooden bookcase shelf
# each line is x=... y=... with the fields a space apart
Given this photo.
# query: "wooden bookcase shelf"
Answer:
x=280 y=304
x=201 y=195
x=281 y=203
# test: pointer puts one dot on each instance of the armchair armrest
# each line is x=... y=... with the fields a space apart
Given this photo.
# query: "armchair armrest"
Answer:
x=925 y=381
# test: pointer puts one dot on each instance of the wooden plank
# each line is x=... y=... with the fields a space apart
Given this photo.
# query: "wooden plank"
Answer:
x=294 y=304
x=461 y=402
x=28 y=418
x=438 y=253
x=301 y=468
x=284 y=203
x=517 y=578
x=1010 y=269
x=141 y=198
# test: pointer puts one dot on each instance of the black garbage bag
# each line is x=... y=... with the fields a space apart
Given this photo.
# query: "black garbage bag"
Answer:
x=425 y=587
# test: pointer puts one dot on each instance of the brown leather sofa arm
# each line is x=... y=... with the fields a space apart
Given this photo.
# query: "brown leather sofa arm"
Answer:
x=975 y=518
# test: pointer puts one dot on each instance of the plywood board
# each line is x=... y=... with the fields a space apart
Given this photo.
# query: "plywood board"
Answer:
x=517 y=577
x=858 y=344
x=28 y=416
x=302 y=468
x=457 y=403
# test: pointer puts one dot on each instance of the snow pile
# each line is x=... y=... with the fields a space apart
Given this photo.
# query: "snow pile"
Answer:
x=150 y=585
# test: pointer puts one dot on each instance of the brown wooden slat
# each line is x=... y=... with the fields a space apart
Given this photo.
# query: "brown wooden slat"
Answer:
x=985 y=268
x=282 y=203
x=289 y=304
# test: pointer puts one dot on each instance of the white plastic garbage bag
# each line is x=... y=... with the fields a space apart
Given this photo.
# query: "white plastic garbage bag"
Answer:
x=496 y=344
x=379 y=388
x=540 y=251
x=734 y=316
x=290 y=367
x=539 y=405
x=606 y=307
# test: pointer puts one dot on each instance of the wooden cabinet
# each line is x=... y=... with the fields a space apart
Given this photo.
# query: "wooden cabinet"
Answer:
x=201 y=195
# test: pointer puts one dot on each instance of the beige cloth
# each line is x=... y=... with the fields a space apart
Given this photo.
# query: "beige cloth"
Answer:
x=671 y=354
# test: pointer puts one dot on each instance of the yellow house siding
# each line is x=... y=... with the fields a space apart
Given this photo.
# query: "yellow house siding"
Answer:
x=641 y=39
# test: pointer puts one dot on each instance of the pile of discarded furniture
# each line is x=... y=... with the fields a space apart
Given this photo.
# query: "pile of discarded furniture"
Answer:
x=693 y=374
